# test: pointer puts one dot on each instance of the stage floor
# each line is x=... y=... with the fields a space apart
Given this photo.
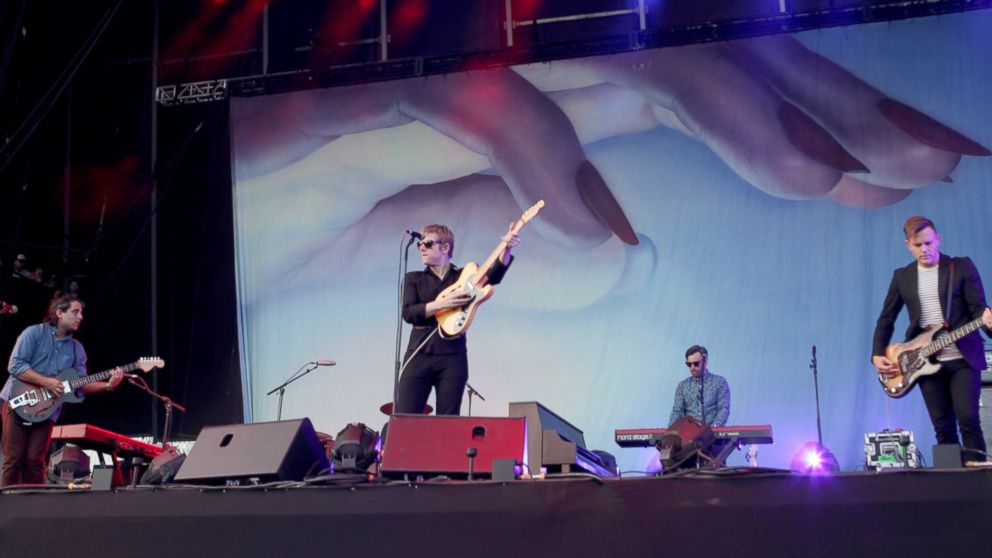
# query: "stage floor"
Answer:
x=920 y=512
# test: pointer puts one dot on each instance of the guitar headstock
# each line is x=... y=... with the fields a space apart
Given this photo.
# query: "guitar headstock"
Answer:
x=147 y=364
x=531 y=212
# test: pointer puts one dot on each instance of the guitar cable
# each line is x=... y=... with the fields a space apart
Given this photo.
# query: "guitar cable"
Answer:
x=417 y=350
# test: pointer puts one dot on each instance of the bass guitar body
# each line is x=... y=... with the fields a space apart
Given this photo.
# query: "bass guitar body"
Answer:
x=912 y=362
x=455 y=321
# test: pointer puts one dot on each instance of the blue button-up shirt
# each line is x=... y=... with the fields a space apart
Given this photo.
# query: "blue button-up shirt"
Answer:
x=715 y=394
x=39 y=348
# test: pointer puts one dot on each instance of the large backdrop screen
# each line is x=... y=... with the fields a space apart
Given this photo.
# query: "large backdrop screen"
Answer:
x=746 y=196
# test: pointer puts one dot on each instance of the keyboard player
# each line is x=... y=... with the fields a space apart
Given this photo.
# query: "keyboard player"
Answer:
x=703 y=395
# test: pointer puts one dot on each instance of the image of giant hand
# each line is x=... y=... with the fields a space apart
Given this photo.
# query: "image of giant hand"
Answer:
x=790 y=122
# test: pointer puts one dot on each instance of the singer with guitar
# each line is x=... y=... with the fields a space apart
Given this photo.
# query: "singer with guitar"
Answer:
x=41 y=352
x=941 y=293
x=434 y=361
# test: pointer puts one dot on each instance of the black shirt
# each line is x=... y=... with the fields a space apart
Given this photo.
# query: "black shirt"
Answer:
x=421 y=287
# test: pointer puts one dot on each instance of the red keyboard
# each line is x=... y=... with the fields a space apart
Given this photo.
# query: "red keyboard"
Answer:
x=95 y=438
x=647 y=437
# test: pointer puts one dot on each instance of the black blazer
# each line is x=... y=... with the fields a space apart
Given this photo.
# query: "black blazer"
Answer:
x=967 y=303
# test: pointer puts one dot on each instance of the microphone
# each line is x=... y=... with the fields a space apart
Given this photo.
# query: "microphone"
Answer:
x=415 y=234
x=323 y=362
x=814 y=350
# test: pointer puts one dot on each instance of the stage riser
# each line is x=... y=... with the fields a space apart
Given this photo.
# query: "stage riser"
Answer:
x=939 y=514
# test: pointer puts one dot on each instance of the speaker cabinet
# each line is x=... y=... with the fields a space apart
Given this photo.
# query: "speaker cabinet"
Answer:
x=416 y=444
x=947 y=456
x=267 y=451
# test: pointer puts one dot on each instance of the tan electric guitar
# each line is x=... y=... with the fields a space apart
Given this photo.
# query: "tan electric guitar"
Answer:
x=453 y=322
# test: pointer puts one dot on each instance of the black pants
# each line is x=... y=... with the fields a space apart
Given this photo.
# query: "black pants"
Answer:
x=447 y=374
x=952 y=396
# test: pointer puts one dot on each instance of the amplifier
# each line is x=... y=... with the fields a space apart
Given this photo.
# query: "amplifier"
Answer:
x=890 y=449
x=439 y=445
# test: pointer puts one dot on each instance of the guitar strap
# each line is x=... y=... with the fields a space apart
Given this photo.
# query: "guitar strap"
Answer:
x=950 y=289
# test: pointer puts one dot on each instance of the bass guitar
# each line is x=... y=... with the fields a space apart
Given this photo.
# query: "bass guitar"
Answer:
x=36 y=404
x=453 y=322
x=917 y=357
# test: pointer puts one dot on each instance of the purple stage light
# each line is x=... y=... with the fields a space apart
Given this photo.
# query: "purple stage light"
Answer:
x=814 y=458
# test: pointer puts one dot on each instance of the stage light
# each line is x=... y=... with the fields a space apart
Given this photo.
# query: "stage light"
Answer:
x=355 y=447
x=814 y=458
x=68 y=464
x=685 y=438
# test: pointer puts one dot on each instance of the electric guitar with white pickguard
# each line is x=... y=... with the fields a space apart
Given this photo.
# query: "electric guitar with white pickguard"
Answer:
x=34 y=403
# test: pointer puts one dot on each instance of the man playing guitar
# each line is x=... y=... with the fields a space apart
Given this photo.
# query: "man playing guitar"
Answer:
x=41 y=352
x=940 y=290
x=431 y=361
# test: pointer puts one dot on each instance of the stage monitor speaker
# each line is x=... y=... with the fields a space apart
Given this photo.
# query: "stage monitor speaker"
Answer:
x=266 y=451
x=947 y=456
x=438 y=445
x=164 y=467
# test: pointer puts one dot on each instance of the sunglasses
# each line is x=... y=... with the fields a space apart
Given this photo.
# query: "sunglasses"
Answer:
x=691 y=364
x=428 y=243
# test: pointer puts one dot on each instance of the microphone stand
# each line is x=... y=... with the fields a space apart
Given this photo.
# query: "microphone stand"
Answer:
x=471 y=392
x=816 y=389
x=401 y=286
x=281 y=388
x=169 y=405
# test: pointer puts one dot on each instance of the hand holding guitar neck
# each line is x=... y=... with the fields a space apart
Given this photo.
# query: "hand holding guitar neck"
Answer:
x=472 y=283
x=510 y=240
x=116 y=376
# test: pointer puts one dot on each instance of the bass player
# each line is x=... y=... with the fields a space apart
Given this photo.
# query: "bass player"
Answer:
x=925 y=287
x=41 y=352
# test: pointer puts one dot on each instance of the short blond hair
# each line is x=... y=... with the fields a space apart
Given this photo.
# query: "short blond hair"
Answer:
x=444 y=235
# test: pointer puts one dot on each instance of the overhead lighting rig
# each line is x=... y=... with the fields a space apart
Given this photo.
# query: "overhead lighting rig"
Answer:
x=643 y=24
x=192 y=93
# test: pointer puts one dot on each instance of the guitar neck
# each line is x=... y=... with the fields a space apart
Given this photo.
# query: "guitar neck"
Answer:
x=491 y=260
x=523 y=220
x=90 y=378
x=938 y=345
x=495 y=255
